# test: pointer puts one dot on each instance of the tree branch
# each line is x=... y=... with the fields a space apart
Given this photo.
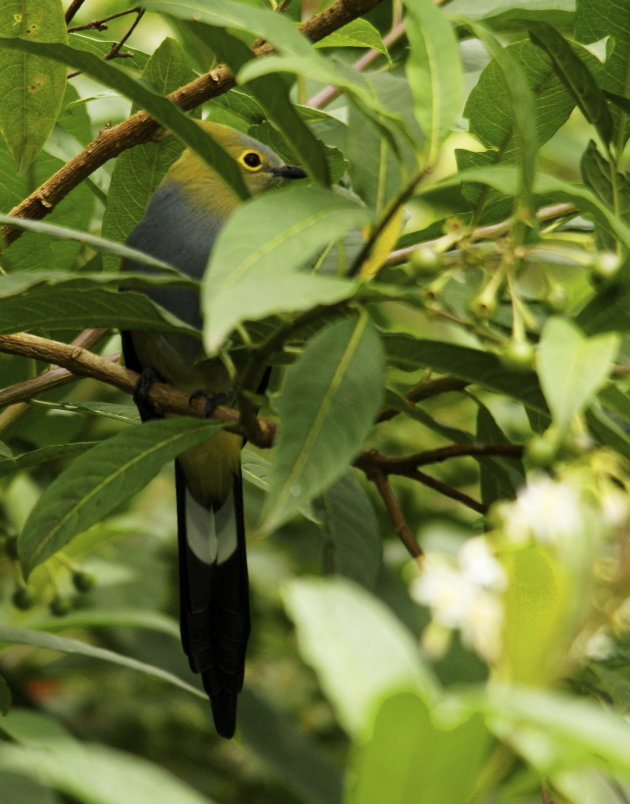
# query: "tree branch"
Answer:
x=140 y=127
x=163 y=397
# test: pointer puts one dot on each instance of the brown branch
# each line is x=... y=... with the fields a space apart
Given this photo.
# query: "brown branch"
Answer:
x=448 y=491
x=52 y=377
x=74 y=6
x=395 y=511
x=402 y=465
x=140 y=127
x=99 y=25
x=373 y=464
x=86 y=364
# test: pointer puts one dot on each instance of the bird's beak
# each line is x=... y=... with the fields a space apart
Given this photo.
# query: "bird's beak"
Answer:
x=288 y=172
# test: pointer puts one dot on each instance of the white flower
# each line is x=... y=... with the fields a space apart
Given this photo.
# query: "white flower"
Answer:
x=465 y=594
x=546 y=510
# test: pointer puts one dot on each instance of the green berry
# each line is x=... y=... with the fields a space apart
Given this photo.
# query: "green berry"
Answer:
x=517 y=356
x=425 y=261
x=83 y=581
x=542 y=449
x=60 y=606
x=23 y=598
x=483 y=308
x=557 y=299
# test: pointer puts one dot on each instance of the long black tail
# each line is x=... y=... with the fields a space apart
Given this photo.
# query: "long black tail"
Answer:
x=214 y=597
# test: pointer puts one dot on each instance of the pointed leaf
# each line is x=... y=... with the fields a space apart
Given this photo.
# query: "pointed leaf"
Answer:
x=101 y=479
x=327 y=407
x=251 y=270
x=358 y=648
x=572 y=368
x=37 y=639
x=434 y=71
x=31 y=87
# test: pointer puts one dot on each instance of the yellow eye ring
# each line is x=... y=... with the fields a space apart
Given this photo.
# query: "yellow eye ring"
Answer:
x=251 y=160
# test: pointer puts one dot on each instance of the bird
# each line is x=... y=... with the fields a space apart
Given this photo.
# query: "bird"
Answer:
x=180 y=225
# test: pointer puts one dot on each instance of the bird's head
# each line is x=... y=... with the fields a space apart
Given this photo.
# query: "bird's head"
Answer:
x=261 y=168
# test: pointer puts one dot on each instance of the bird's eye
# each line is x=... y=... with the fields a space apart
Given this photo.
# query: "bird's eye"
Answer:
x=251 y=160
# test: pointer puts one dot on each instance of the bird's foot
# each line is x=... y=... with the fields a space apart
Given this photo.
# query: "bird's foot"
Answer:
x=141 y=394
x=212 y=400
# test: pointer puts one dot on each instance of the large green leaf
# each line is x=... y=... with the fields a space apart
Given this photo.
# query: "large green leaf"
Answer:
x=96 y=774
x=253 y=266
x=32 y=252
x=327 y=407
x=576 y=76
x=434 y=72
x=101 y=479
x=572 y=368
x=61 y=308
x=31 y=87
x=385 y=766
x=38 y=639
x=352 y=541
x=523 y=116
x=599 y=19
x=473 y=365
x=359 y=650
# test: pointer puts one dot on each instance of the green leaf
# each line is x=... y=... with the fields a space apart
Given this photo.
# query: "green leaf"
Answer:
x=555 y=731
x=510 y=14
x=500 y=477
x=385 y=766
x=101 y=479
x=352 y=541
x=159 y=107
x=358 y=648
x=379 y=179
x=330 y=398
x=38 y=456
x=110 y=618
x=60 y=308
x=572 y=368
x=434 y=72
x=576 y=77
x=288 y=750
x=137 y=172
x=473 y=365
x=32 y=89
x=252 y=268
x=599 y=19
x=523 y=114
x=98 y=243
x=32 y=252
x=37 y=639
x=358 y=33
x=96 y=774
x=610 y=186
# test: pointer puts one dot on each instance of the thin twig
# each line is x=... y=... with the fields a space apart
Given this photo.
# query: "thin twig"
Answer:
x=447 y=491
x=402 y=465
x=100 y=25
x=74 y=6
x=395 y=512
x=491 y=231
x=52 y=377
